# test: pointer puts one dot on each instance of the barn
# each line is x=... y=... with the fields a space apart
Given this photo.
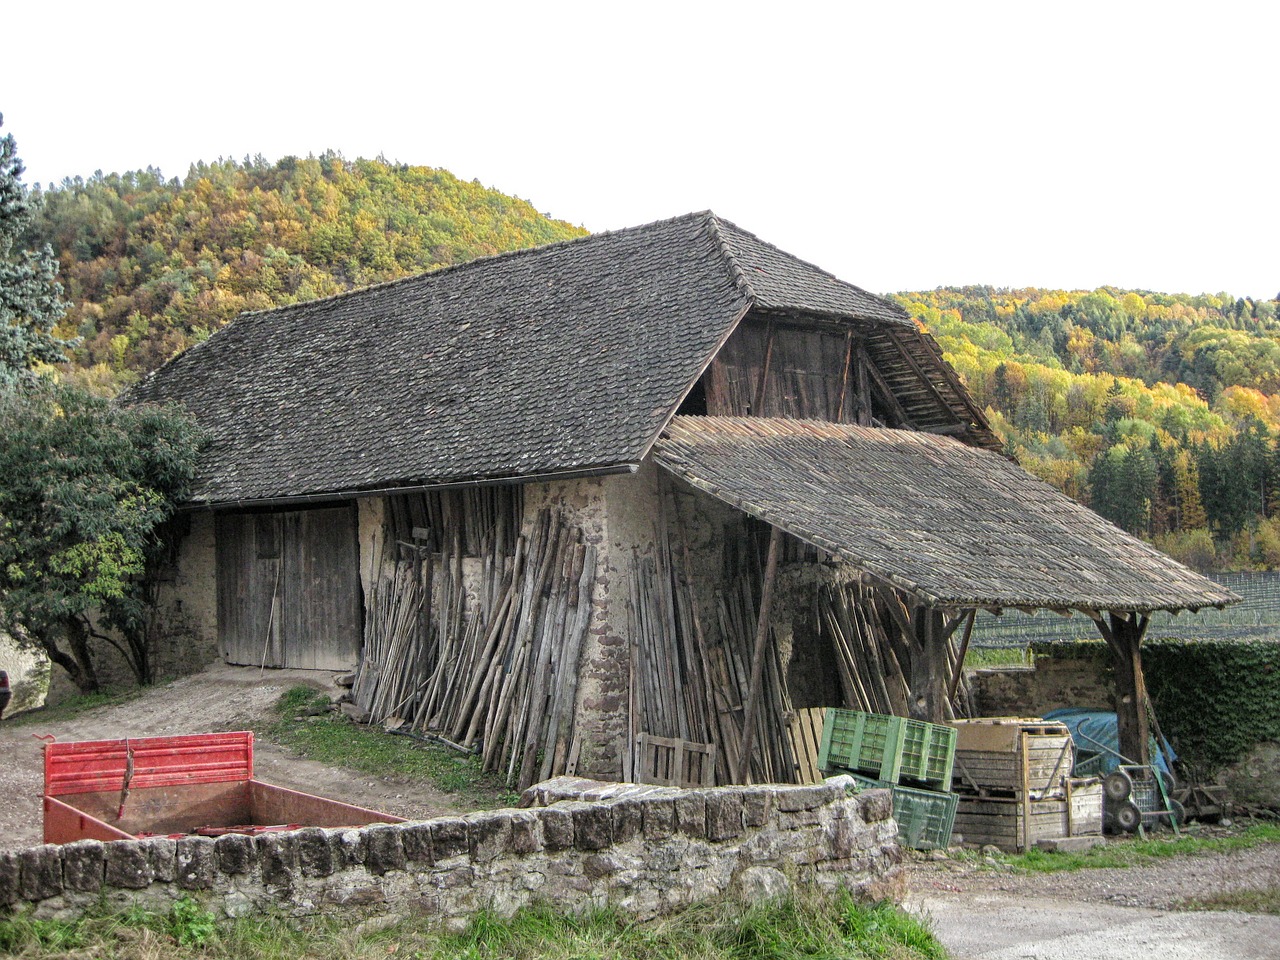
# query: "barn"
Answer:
x=633 y=506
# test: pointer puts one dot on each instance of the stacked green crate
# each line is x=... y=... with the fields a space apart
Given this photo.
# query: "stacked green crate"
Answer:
x=883 y=751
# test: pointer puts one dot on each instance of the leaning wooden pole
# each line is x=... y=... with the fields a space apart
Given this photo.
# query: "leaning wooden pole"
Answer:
x=757 y=660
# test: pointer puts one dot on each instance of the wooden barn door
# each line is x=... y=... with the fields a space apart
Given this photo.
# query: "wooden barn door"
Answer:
x=289 y=588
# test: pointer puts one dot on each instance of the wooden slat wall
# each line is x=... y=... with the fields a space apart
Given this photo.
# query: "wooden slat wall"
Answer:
x=288 y=588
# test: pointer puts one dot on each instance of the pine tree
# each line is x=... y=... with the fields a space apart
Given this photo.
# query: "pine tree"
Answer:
x=30 y=295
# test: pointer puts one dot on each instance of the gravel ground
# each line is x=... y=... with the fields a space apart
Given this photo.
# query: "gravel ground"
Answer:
x=219 y=698
x=1099 y=914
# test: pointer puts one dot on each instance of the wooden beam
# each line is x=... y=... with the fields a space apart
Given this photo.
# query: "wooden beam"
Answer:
x=743 y=774
x=844 y=379
x=1124 y=635
x=757 y=406
x=964 y=648
x=864 y=386
x=887 y=394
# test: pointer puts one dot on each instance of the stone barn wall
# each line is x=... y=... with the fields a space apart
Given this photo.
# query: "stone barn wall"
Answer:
x=646 y=850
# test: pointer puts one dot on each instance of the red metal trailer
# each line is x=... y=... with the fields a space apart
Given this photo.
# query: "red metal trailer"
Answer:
x=174 y=786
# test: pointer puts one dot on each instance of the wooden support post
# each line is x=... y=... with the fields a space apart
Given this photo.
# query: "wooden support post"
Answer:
x=964 y=648
x=757 y=405
x=743 y=774
x=1124 y=636
x=864 y=387
x=844 y=379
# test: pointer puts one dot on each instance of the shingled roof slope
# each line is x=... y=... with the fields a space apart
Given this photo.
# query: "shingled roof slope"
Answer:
x=566 y=357
x=948 y=523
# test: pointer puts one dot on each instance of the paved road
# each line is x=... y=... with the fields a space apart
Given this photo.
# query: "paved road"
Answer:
x=994 y=926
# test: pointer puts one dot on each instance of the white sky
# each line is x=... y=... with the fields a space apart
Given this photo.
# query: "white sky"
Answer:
x=900 y=145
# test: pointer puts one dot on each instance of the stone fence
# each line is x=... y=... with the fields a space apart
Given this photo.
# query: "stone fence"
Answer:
x=647 y=850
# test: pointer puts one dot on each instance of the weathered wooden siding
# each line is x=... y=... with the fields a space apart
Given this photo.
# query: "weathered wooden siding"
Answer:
x=288 y=588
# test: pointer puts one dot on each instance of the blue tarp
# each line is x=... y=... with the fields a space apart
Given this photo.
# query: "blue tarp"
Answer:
x=1095 y=733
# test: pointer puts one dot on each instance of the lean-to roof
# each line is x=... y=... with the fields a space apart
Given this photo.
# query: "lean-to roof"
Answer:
x=949 y=524
x=569 y=357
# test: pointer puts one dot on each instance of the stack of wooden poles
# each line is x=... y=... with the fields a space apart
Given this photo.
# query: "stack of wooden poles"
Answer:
x=489 y=662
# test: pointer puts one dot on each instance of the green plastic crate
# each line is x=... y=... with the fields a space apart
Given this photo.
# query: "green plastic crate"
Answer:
x=925 y=817
x=928 y=754
x=892 y=749
x=869 y=743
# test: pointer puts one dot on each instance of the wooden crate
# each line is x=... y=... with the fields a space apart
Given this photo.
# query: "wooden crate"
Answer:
x=1008 y=758
x=1085 y=797
x=671 y=762
x=1013 y=825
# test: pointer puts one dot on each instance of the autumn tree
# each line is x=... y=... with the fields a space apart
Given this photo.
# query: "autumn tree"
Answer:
x=85 y=487
x=30 y=296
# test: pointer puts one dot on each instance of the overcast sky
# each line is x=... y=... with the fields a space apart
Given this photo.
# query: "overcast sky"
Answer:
x=899 y=145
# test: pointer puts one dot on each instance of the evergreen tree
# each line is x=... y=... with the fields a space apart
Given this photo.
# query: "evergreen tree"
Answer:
x=30 y=295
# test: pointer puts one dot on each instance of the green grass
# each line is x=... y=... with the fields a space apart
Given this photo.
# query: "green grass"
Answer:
x=1129 y=853
x=333 y=739
x=814 y=927
x=1266 y=900
x=976 y=658
x=73 y=707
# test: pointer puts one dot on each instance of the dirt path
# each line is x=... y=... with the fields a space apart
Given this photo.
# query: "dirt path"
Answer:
x=220 y=698
x=1111 y=914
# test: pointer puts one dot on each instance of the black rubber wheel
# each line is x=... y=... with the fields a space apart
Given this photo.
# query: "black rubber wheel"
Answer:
x=1117 y=786
x=1128 y=816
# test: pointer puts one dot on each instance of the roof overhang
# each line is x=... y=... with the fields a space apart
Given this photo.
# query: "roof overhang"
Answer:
x=950 y=525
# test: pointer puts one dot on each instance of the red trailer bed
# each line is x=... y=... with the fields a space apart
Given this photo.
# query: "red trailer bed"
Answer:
x=174 y=786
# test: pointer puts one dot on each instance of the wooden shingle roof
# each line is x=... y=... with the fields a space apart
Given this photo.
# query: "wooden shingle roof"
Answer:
x=947 y=523
x=564 y=358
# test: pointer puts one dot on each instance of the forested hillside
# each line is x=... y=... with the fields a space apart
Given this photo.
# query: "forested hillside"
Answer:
x=1162 y=412
x=153 y=265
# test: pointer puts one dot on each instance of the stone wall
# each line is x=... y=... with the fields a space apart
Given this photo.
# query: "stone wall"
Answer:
x=646 y=850
x=1053 y=683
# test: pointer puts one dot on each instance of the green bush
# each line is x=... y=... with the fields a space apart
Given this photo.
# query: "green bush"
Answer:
x=1215 y=699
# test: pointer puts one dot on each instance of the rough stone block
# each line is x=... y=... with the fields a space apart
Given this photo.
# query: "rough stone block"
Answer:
x=628 y=820
x=10 y=878
x=316 y=855
x=384 y=849
x=691 y=814
x=162 y=854
x=128 y=865
x=41 y=872
x=83 y=866
x=842 y=838
x=416 y=840
x=810 y=797
x=236 y=853
x=757 y=804
x=762 y=883
x=489 y=835
x=449 y=838
x=592 y=827
x=557 y=828
x=349 y=848
x=279 y=858
x=197 y=862
x=659 y=818
x=599 y=866
x=526 y=833
x=724 y=815
x=875 y=805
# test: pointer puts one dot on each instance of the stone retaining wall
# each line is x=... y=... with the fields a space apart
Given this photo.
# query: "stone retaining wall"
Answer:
x=647 y=850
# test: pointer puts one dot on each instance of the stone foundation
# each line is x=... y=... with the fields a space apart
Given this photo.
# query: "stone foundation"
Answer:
x=579 y=843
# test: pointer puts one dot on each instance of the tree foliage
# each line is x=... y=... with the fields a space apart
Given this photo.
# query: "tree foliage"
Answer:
x=85 y=488
x=30 y=296
x=153 y=265
x=1160 y=411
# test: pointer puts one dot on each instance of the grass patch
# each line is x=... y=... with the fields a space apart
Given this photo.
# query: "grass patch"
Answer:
x=810 y=927
x=73 y=707
x=1266 y=900
x=1136 y=852
x=976 y=658
x=333 y=739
